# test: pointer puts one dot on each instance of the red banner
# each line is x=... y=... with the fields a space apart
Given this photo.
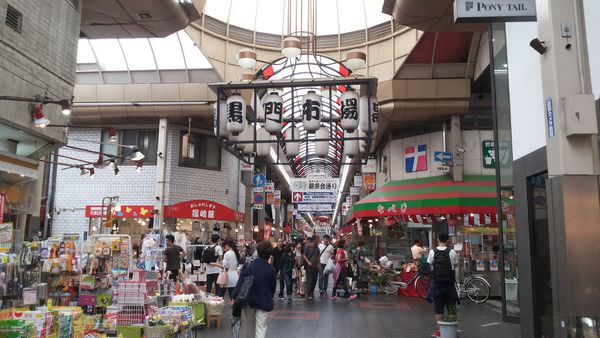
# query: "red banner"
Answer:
x=126 y=211
x=2 y=199
x=203 y=209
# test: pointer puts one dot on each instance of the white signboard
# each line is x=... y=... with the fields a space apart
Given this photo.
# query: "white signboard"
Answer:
x=358 y=181
x=270 y=187
x=322 y=230
x=258 y=189
x=494 y=10
x=315 y=207
x=346 y=208
x=277 y=194
x=370 y=167
x=314 y=197
x=314 y=184
x=350 y=200
x=355 y=191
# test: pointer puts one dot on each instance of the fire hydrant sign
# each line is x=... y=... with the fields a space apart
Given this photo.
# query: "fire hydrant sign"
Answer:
x=494 y=10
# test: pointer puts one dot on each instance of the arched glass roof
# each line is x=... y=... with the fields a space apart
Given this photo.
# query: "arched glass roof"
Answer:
x=174 y=52
x=270 y=16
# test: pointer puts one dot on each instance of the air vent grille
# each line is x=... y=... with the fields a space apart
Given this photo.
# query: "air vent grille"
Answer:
x=14 y=18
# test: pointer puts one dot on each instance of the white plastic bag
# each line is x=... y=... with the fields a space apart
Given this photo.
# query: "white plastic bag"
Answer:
x=329 y=266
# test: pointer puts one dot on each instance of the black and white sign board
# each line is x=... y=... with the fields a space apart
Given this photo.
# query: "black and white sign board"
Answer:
x=494 y=10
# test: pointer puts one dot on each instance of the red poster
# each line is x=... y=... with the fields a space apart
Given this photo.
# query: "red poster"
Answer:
x=369 y=182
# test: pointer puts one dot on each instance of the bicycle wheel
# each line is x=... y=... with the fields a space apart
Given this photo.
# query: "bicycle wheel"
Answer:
x=477 y=289
x=422 y=285
x=385 y=285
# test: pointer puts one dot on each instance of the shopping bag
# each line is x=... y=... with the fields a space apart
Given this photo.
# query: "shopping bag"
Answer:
x=222 y=279
x=329 y=266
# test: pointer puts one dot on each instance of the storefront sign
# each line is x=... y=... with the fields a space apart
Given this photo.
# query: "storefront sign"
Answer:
x=2 y=200
x=494 y=10
x=550 y=117
x=270 y=198
x=314 y=184
x=358 y=181
x=322 y=230
x=316 y=207
x=203 y=209
x=489 y=154
x=346 y=208
x=314 y=197
x=355 y=191
x=370 y=167
x=125 y=211
x=277 y=194
x=350 y=200
x=247 y=166
x=270 y=187
x=369 y=182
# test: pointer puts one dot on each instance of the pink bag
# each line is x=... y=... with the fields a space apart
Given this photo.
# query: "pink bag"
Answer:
x=222 y=279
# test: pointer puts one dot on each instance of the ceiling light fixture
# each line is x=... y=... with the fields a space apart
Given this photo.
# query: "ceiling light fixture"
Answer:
x=356 y=59
x=292 y=47
x=137 y=156
x=246 y=58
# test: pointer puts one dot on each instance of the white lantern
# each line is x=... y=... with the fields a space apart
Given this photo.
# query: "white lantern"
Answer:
x=292 y=149
x=246 y=135
x=262 y=149
x=351 y=146
x=222 y=122
x=365 y=113
x=362 y=144
x=349 y=109
x=311 y=111
x=273 y=110
x=292 y=47
x=236 y=114
x=321 y=147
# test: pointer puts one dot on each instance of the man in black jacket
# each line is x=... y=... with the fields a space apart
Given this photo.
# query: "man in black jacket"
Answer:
x=277 y=252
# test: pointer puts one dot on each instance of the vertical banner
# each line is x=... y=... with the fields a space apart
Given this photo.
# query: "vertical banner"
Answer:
x=2 y=200
x=369 y=182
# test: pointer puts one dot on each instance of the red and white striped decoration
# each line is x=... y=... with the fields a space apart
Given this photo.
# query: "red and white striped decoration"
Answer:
x=470 y=219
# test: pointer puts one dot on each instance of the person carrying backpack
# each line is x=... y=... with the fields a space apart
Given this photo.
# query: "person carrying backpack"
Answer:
x=211 y=256
x=443 y=290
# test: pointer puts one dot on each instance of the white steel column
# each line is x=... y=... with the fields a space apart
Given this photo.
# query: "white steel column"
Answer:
x=573 y=185
x=161 y=170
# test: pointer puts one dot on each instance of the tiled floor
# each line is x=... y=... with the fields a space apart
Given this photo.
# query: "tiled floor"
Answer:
x=369 y=317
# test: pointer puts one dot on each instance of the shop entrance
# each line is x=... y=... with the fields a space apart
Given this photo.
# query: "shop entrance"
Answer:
x=540 y=256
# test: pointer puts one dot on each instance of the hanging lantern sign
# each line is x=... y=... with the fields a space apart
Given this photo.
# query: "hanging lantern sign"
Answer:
x=321 y=148
x=292 y=149
x=262 y=149
x=246 y=135
x=369 y=114
x=349 y=109
x=236 y=114
x=351 y=146
x=222 y=122
x=362 y=144
x=311 y=111
x=273 y=109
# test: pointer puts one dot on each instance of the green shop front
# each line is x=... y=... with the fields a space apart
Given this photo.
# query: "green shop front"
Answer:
x=391 y=218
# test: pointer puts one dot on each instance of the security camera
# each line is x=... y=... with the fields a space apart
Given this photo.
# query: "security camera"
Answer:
x=460 y=150
x=538 y=45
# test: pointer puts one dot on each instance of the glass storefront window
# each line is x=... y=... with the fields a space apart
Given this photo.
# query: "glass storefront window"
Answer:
x=21 y=143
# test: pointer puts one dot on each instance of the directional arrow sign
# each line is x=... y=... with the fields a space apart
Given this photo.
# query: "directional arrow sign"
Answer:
x=442 y=156
x=297 y=197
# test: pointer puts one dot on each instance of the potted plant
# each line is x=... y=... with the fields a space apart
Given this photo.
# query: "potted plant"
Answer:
x=449 y=323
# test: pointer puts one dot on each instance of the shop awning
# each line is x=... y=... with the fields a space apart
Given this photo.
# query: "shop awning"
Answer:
x=430 y=196
x=203 y=209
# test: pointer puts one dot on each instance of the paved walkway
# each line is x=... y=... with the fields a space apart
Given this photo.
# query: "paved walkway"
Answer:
x=371 y=316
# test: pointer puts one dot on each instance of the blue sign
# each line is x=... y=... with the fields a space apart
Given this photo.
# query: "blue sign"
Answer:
x=258 y=198
x=442 y=156
x=550 y=117
x=259 y=180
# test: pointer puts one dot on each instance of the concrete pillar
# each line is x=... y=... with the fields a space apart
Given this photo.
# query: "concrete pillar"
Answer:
x=161 y=170
x=573 y=185
x=456 y=148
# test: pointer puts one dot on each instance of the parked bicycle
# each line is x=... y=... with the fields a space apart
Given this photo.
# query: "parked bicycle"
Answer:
x=474 y=287
x=391 y=281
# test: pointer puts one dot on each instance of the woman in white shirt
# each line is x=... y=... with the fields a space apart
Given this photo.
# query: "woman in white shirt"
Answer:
x=230 y=263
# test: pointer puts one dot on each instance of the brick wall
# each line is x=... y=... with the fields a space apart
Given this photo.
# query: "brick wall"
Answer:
x=40 y=58
x=74 y=192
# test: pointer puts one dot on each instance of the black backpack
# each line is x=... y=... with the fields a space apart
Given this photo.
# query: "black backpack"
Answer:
x=442 y=266
x=209 y=255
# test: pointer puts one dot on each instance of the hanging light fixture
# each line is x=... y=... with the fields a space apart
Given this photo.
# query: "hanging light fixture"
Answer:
x=112 y=134
x=246 y=58
x=367 y=114
x=137 y=156
x=262 y=149
x=116 y=171
x=82 y=171
x=111 y=164
x=247 y=77
x=356 y=59
x=292 y=47
x=322 y=147
x=39 y=118
x=351 y=146
x=349 y=109
x=92 y=172
x=292 y=149
x=311 y=111
x=188 y=147
x=236 y=114
x=223 y=132
x=66 y=106
x=273 y=110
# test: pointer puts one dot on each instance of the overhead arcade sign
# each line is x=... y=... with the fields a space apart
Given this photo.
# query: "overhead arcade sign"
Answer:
x=494 y=10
